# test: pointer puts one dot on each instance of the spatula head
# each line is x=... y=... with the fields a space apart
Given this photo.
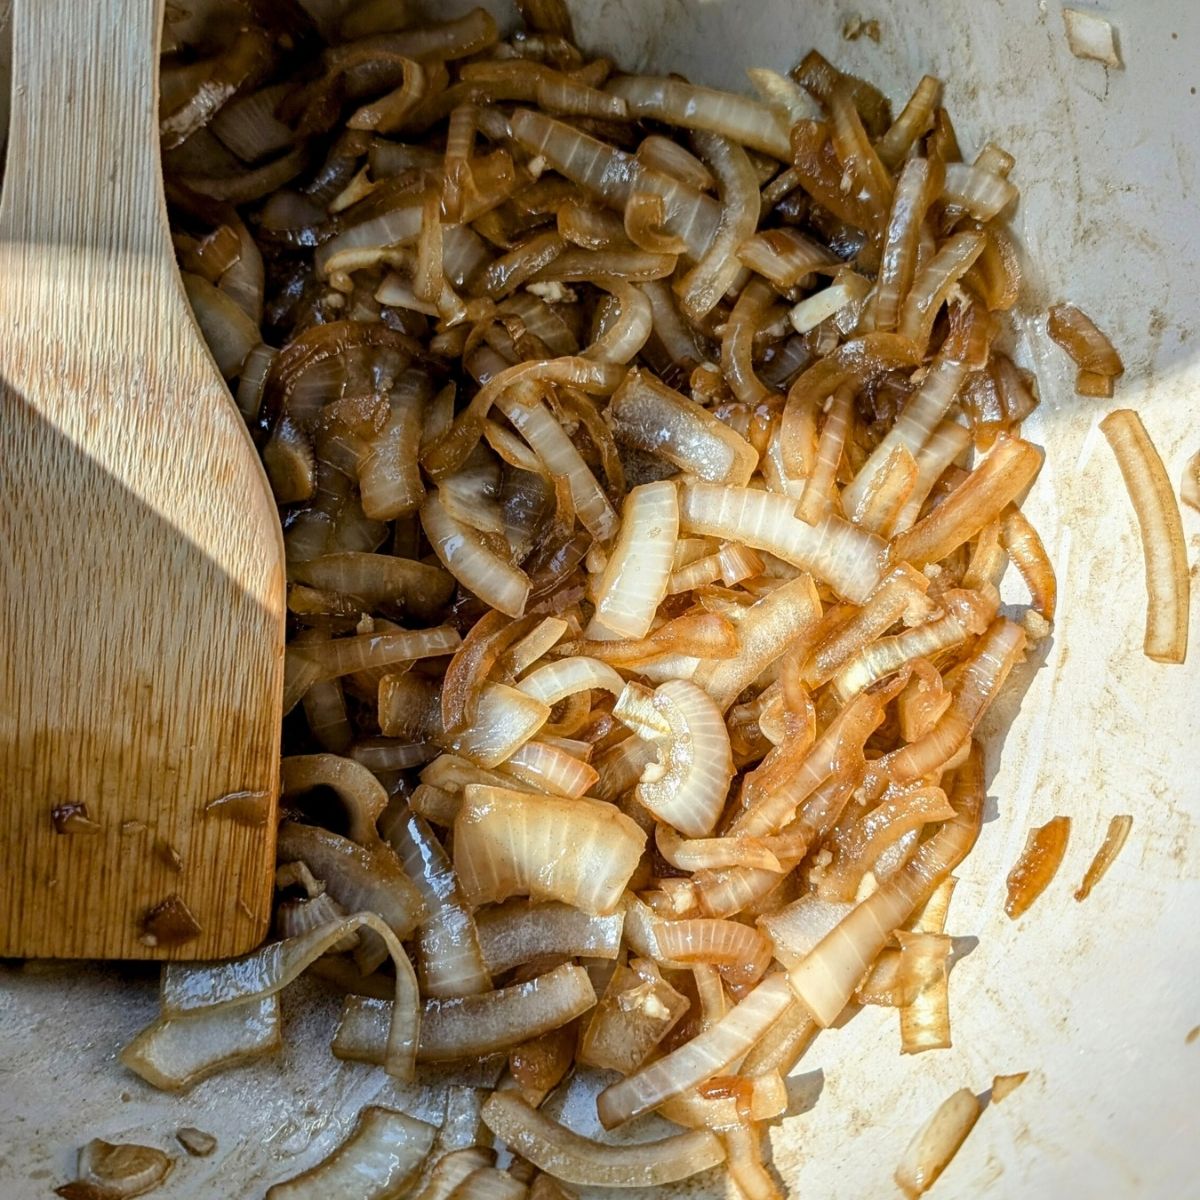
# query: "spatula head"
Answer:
x=142 y=626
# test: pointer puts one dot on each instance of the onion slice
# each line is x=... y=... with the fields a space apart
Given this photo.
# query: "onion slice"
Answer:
x=1037 y=866
x=506 y=843
x=1114 y=841
x=836 y=552
x=519 y=932
x=116 y=1171
x=935 y=1143
x=380 y=1158
x=469 y=1026
x=688 y=784
x=173 y=1053
x=210 y=987
x=575 y=1159
x=1168 y=584
x=635 y=577
x=706 y=1055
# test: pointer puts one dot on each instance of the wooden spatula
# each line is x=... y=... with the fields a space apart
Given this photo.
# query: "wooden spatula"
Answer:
x=141 y=563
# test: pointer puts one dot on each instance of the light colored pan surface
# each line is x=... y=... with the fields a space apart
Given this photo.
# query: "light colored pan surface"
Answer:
x=1096 y=999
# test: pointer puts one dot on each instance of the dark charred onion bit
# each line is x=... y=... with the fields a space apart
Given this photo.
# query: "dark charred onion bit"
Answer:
x=73 y=818
x=1037 y=865
x=116 y=1171
x=170 y=923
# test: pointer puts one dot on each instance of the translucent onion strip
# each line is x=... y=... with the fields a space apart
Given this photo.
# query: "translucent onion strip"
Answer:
x=935 y=1143
x=567 y=676
x=380 y=1158
x=519 y=932
x=738 y=118
x=645 y=413
x=173 y=1053
x=551 y=769
x=464 y=554
x=574 y=1159
x=470 y=1026
x=211 y=987
x=1168 y=584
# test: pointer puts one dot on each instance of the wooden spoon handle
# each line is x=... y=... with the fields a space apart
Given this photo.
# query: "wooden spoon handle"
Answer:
x=83 y=162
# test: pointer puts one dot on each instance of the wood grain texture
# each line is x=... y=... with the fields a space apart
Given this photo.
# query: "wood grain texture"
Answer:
x=141 y=562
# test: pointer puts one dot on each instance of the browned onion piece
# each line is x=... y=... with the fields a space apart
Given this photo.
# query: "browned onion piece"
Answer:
x=662 y=154
x=360 y=792
x=345 y=656
x=932 y=284
x=1168 y=585
x=1114 y=841
x=115 y=1171
x=1079 y=336
x=1024 y=546
x=1004 y=475
x=826 y=978
x=508 y=843
x=382 y=1155
x=914 y=121
x=703 y=1057
x=470 y=1026
x=637 y=1011
x=1037 y=866
x=576 y=1159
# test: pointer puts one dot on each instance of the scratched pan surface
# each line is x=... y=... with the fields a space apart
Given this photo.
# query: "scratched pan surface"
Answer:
x=1094 y=999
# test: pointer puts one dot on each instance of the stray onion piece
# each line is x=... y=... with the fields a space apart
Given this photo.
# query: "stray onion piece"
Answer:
x=1037 y=866
x=116 y=1171
x=648 y=465
x=1168 y=583
x=936 y=1142
x=1106 y=854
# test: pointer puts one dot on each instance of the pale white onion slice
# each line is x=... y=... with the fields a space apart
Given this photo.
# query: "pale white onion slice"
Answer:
x=173 y=1053
x=469 y=1026
x=560 y=457
x=836 y=552
x=688 y=784
x=708 y=1054
x=509 y=843
x=575 y=1159
x=380 y=1158
x=634 y=580
x=981 y=192
x=550 y=768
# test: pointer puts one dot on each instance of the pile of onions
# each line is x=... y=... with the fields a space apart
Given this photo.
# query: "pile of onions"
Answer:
x=648 y=466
